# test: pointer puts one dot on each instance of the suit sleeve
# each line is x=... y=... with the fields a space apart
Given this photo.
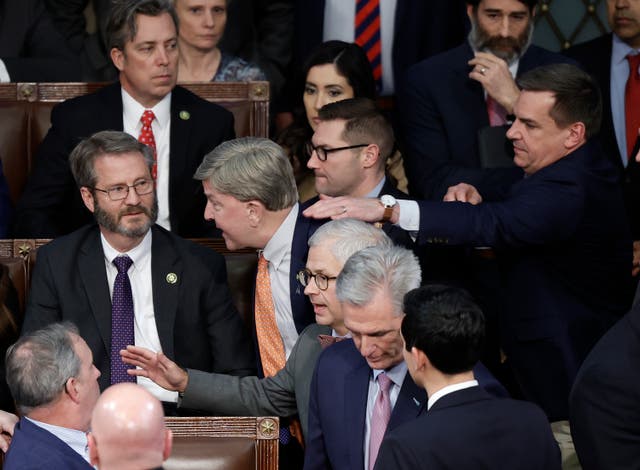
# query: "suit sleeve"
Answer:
x=44 y=55
x=315 y=454
x=43 y=304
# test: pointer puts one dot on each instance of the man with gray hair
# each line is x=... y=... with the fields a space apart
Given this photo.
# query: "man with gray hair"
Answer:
x=145 y=103
x=53 y=380
x=126 y=280
x=286 y=393
x=360 y=388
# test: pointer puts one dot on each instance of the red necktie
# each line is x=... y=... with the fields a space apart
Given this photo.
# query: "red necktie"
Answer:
x=497 y=114
x=328 y=340
x=632 y=102
x=367 y=26
x=147 y=138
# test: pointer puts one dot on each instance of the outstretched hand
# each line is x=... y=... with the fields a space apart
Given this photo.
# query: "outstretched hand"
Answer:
x=463 y=192
x=155 y=366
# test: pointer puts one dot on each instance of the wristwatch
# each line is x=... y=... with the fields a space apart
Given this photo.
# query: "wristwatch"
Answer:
x=388 y=202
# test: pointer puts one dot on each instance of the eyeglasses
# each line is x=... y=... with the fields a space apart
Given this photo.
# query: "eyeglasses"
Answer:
x=121 y=191
x=322 y=152
x=322 y=281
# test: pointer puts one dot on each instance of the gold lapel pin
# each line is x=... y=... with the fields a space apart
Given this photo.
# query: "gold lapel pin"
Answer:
x=172 y=278
x=184 y=115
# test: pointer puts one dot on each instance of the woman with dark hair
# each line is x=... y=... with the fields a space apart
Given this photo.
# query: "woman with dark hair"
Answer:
x=335 y=70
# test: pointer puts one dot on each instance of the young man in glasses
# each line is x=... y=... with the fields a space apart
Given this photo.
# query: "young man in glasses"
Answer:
x=171 y=296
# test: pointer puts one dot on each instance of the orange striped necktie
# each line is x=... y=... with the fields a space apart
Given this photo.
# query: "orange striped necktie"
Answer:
x=367 y=35
x=270 y=343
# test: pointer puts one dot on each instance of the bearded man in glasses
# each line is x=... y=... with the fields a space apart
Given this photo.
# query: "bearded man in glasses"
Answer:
x=126 y=280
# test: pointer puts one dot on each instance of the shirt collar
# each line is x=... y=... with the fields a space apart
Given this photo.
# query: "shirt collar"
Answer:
x=450 y=389
x=280 y=243
x=620 y=50
x=74 y=438
x=378 y=187
x=136 y=254
x=396 y=373
x=132 y=110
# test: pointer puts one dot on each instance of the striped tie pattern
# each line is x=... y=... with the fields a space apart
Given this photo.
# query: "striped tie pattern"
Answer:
x=147 y=138
x=367 y=27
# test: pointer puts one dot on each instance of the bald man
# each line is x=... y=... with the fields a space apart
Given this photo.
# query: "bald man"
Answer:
x=128 y=430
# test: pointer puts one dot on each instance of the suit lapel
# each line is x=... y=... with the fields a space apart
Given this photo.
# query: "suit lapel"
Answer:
x=299 y=303
x=355 y=393
x=179 y=136
x=472 y=93
x=166 y=278
x=94 y=278
x=111 y=109
x=411 y=400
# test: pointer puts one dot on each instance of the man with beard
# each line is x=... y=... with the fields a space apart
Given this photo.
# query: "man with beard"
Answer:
x=444 y=102
x=126 y=280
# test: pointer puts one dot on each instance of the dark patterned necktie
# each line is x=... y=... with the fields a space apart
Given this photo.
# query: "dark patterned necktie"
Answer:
x=328 y=340
x=121 y=320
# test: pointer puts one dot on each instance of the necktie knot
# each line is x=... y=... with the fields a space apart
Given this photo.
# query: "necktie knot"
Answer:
x=147 y=117
x=384 y=382
x=122 y=263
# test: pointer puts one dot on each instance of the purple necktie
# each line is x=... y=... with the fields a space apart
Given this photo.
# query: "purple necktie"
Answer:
x=121 y=320
x=379 y=417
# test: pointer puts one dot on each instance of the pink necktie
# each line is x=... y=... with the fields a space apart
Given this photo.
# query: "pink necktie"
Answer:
x=147 y=138
x=379 y=417
x=632 y=102
x=497 y=114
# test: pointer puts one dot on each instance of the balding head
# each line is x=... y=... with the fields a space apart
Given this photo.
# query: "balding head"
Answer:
x=128 y=430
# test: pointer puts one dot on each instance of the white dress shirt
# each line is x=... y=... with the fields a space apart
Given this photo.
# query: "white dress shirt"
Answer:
x=161 y=125
x=339 y=23
x=278 y=253
x=4 y=73
x=75 y=439
x=144 y=328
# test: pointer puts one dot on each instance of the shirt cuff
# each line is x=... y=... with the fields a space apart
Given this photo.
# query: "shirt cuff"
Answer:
x=409 y=219
x=4 y=73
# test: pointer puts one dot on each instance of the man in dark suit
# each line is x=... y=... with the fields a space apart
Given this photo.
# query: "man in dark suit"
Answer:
x=356 y=381
x=605 y=417
x=286 y=393
x=464 y=426
x=31 y=48
x=184 y=127
x=560 y=234
x=443 y=104
x=606 y=58
x=180 y=301
x=349 y=151
x=54 y=383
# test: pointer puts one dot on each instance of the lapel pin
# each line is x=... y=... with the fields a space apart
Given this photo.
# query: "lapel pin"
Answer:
x=172 y=278
x=416 y=401
x=184 y=115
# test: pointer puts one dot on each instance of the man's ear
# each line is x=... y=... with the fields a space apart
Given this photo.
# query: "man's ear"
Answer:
x=93 y=450
x=370 y=155
x=71 y=388
x=87 y=198
x=168 y=444
x=576 y=135
x=420 y=359
x=117 y=57
x=255 y=212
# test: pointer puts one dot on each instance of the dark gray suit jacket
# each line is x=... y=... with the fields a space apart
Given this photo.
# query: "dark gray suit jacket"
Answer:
x=284 y=394
x=197 y=323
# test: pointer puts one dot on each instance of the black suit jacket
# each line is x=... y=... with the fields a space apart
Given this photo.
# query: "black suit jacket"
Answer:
x=605 y=416
x=32 y=49
x=595 y=57
x=197 y=323
x=51 y=205
x=470 y=429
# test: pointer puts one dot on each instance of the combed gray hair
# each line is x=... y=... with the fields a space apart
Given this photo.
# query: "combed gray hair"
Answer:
x=83 y=157
x=39 y=365
x=392 y=268
x=122 y=24
x=349 y=236
x=250 y=169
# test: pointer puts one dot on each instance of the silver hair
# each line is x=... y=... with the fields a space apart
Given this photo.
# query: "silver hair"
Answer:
x=250 y=169
x=40 y=363
x=394 y=269
x=349 y=236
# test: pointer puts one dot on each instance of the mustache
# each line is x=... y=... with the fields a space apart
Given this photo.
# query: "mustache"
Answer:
x=497 y=42
x=134 y=210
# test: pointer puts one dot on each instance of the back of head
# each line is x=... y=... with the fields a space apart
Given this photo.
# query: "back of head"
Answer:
x=128 y=430
x=251 y=169
x=122 y=26
x=348 y=236
x=39 y=364
x=577 y=95
x=393 y=269
x=365 y=124
x=446 y=324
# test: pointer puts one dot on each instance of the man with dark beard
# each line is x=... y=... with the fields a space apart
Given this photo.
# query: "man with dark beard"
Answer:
x=127 y=280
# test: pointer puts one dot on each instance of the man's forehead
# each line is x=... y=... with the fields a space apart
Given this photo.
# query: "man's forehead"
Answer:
x=507 y=6
x=330 y=130
x=145 y=32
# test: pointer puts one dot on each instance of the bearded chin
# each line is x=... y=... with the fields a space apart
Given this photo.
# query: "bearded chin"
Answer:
x=509 y=49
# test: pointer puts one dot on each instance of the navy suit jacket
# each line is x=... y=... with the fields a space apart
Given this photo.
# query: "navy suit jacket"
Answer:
x=565 y=251
x=197 y=323
x=595 y=57
x=421 y=29
x=51 y=204
x=441 y=110
x=605 y=416
x=338 y=404
x=33 y=448
x=470 y=429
